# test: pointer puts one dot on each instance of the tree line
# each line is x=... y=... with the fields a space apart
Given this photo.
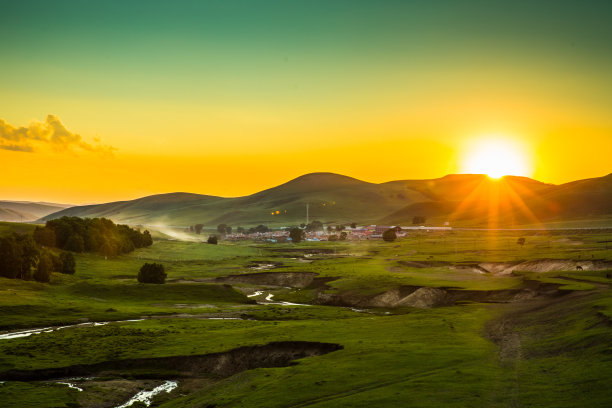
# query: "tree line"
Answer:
x=22 y=258
x=99 y=235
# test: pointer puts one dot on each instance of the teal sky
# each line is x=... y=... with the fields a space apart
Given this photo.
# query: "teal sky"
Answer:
x=331 y=80
x=261 y=51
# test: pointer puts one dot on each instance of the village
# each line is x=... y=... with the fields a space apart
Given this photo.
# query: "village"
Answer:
x=330 y=233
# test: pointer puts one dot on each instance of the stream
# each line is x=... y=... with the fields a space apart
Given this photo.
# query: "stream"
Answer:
x=269 y=301
x=146 y=396
x=29 y=332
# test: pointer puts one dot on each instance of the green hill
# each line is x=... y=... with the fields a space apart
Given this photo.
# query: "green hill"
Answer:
x=511 y=201
x=462 y=199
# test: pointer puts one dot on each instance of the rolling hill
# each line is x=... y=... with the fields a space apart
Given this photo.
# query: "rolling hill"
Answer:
x=25 y=211
x=462 y=199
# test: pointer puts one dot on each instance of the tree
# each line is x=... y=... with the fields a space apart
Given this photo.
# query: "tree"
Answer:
x=198 y=228
x=213 y=240
x=418 y=220
x=44 y=268
x=29 y=255
x=240 y=230
x=339 y=227
x=343 y=236
x=44 y=237
x=221 y=228
x=332 y=237
x=10 y=258
x=353 y=225
x=260 y=228
x=147 y=239
x=68 y=263
x=314 y=226
x=296 y=234
x=520 y=241
x=152 y=273
x=389 y=235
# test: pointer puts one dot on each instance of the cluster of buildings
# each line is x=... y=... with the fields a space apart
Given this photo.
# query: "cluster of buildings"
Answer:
x=348 y=233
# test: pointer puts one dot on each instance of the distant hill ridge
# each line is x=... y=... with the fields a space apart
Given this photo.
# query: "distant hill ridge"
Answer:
x=461 y=199
x=25 y=211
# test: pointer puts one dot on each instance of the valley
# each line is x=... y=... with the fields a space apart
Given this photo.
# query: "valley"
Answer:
x=454 y=318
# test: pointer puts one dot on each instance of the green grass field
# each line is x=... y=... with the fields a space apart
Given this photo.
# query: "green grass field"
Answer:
x=548 y=350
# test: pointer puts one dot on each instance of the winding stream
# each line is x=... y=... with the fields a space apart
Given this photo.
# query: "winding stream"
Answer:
x=29 y=332
x=146 y=396
x=269 y=301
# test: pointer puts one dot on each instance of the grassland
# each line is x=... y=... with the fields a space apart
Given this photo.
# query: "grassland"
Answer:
x=551 y=349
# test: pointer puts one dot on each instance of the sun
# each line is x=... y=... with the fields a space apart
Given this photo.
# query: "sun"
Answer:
x=496 y=157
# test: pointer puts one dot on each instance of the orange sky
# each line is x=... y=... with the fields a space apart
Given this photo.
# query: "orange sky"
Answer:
x=222 y=100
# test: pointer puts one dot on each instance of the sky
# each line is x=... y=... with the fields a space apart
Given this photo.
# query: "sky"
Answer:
x=113 y=100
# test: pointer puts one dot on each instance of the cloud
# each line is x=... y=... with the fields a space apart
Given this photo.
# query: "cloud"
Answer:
x=51 y=133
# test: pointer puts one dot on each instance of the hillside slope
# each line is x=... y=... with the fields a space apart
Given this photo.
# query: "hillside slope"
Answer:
x=25 y=211
x=510 y=201
x=462 y=199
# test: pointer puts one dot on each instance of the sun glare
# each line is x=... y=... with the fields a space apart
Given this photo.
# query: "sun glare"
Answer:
x=496 y=158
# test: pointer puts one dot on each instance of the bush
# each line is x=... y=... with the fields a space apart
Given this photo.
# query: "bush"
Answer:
x=389 y=235
x=152 y=273
x=212 y=240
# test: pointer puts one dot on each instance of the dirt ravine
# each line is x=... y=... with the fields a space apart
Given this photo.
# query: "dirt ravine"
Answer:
x=507 y=268
x=298 y=280
x=427 y=297
x=223 y=364
x=545 y=265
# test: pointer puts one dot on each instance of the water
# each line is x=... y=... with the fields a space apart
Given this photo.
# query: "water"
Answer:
x=70 y=385
x=269 y=301
x=29 y=332
x=146 y=396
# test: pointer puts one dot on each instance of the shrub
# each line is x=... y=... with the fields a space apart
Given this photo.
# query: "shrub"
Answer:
x=152 y=273
x=389 y=235
x=212 y=240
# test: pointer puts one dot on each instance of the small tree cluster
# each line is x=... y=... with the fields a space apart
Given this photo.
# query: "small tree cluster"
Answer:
x=260 y=228
x=22 y=258
x=91 y=235
x=152 y=273
x=314 y=226
x=224 y=229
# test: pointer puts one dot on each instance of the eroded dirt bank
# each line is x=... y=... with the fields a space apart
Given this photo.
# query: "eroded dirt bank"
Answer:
x=427 y=297
x=506 y=268
x=285 y=279
x=224 y=364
